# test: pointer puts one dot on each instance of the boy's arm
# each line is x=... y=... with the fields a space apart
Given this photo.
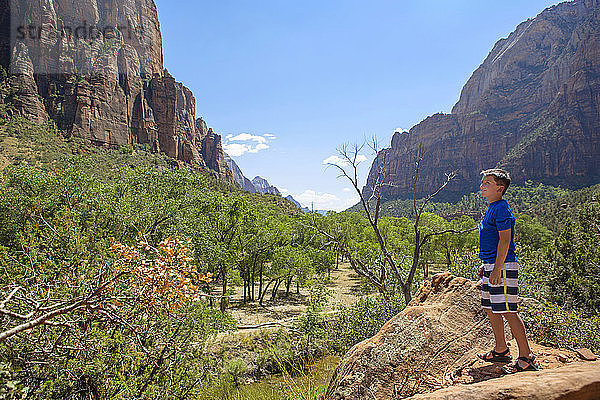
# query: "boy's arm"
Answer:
x=503 y=244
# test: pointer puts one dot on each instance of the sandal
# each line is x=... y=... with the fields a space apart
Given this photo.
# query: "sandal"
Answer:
x=516 y=367
x=494 y=356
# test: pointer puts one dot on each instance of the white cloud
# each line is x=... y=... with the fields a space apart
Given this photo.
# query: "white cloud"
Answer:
x=334 y=160
x=236 y=149
x=400 y=130
x=337 y=160
x=244 y=137
x=283 y=190
x=324 y=201
x=347 y=190
x=259 y=147
x=254 y=143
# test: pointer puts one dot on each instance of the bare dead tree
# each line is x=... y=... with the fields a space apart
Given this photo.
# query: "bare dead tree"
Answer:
x=376 y=271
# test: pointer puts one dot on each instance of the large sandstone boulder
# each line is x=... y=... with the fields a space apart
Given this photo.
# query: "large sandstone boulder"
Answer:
x=432 y=344
x=441 y=329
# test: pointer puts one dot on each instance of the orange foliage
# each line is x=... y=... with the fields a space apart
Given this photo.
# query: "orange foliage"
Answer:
x=165 y=272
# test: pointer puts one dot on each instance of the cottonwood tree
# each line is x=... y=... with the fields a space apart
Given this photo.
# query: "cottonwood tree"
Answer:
x=216 y=224
x=376 y=267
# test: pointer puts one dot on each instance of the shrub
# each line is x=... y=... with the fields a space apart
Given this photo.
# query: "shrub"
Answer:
x=466 y=264
x=310 y=323
x=235 y=369
x=556 y=326
x=360 y=321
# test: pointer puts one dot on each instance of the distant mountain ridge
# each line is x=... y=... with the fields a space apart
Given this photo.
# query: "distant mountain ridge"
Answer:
x=290 y=198
x=533 y=107
x=256 y=185
x=264 y=187
x=238 y=175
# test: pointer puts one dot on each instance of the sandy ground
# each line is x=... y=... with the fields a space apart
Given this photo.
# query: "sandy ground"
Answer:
x=344 y=286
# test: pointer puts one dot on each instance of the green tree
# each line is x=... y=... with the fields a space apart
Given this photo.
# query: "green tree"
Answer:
x=377 y=262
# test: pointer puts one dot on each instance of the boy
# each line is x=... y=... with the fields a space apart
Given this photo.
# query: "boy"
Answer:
x=499 y=273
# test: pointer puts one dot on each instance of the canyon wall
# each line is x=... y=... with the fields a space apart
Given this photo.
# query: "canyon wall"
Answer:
x=95 y=67
x=532 y=107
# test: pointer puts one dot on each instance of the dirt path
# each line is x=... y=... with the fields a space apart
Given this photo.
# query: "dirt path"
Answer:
x=345 y=288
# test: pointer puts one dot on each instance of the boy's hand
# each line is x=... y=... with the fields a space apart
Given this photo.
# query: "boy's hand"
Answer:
x=496 y=276
x=480 y=272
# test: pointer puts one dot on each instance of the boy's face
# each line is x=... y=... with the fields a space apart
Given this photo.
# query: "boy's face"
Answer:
x=490 y=189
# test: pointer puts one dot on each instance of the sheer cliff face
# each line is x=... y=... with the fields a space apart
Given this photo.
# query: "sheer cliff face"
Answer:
x=238 y=175
x=96 y=68
x=532 y=107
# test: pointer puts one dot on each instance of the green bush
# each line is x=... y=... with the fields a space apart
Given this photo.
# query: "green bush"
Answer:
x=362 y=320
x=236 y=370
x=556 y=326
x=466 y=264
x=567 y=270
x=310 y=323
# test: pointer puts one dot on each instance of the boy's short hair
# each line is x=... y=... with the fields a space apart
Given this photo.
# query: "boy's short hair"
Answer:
x=501 y=177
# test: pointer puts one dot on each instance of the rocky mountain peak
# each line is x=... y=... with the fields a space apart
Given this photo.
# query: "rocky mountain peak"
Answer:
x=110 y=89
x=531 y=107
x=513 y=73
x=238 y=175
x=264 y=187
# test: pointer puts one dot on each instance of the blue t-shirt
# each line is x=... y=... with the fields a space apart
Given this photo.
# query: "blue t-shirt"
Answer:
x=498 y=217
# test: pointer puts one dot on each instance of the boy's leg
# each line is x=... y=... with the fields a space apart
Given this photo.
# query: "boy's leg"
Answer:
x=518 y=330
x=498 y=328
x=495 y=319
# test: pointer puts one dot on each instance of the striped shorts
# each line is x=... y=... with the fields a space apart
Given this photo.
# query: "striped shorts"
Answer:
x=504 y=297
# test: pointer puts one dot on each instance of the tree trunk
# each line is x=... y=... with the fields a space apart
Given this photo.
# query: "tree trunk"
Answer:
x=414 y=266
x=223 y=305
x=246 y=278
x=253 y=272
x=407 y=295
x=275 y=289
x=287 y=286
x=260 y=282
x=244 y=284
x=261 y=295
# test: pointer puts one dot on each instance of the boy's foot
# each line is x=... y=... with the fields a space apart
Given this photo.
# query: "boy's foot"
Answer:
x=494 y=356
x=522 y=364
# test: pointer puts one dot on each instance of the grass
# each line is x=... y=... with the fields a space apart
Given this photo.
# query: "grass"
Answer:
x=298 y=383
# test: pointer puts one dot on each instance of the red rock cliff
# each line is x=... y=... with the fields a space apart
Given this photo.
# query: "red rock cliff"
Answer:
x=533 y=107
x=111 y=90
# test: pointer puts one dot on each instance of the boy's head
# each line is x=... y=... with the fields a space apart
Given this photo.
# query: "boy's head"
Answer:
x=500 y=178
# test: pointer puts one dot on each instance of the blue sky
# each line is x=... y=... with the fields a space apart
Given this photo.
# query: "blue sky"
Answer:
x=286 y=83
